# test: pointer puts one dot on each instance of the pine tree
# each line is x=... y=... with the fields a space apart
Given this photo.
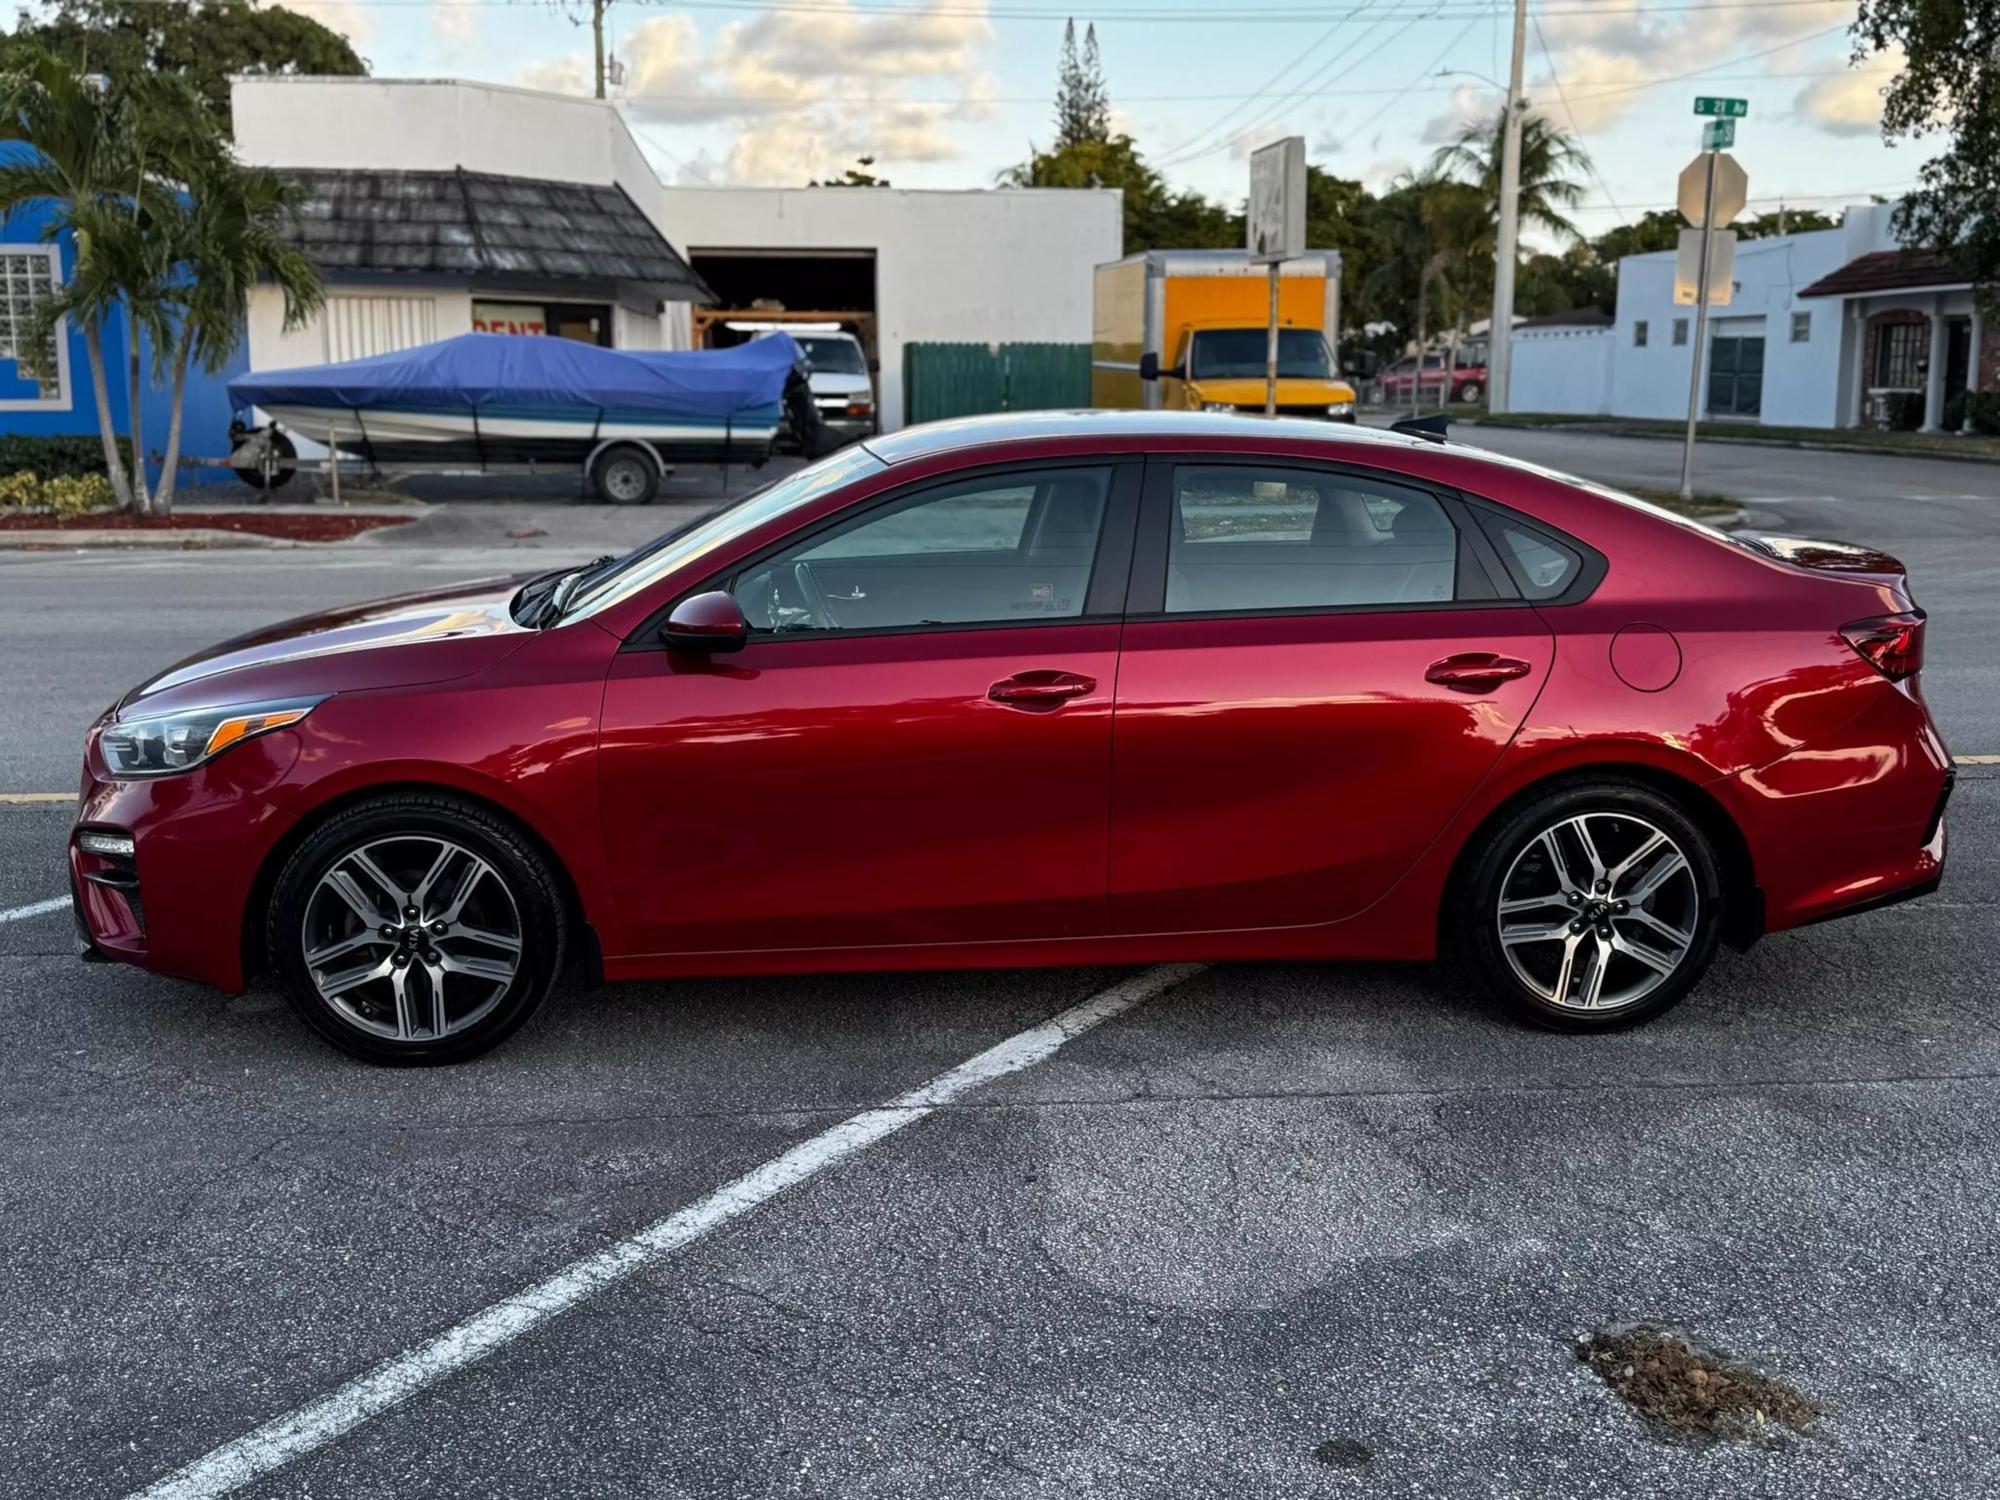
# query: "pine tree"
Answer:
x=1083 y=109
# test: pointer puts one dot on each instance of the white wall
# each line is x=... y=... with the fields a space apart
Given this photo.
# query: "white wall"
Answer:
x=1562 y=370
x=1000 y=266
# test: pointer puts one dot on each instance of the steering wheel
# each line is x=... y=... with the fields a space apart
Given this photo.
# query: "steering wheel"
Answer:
x=815 y=599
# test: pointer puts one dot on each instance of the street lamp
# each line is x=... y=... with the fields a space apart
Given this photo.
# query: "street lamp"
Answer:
x=1500 y=335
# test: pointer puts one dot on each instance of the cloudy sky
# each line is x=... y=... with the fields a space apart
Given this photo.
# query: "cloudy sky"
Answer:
x=946 y=93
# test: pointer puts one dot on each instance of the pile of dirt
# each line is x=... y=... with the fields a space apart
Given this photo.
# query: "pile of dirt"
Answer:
x=287 y=525
x=1685 y=1391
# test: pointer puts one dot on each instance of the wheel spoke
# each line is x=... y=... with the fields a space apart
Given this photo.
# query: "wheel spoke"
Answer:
x=1567 y=973
x=1633 y=860
x=406 y=1003
x=477 y=968
x=1557 y=859
x=1532 y=903
x=1661 y=872
x=1593 y=982
x=1533 y=932
x=360 y=860
x=1652 y=958
x=1666 y=930
x=419 y=897
x=434 y=980
x=1581 y=827
x=358 y=901
x=366 y=937
x=347 y=979
x=476 y=869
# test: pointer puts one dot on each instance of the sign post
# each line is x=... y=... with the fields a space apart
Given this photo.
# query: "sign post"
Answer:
x=1275 y=227
x=1712 y=187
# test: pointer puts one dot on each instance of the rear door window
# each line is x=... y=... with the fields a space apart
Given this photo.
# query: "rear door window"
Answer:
x=1248 y=538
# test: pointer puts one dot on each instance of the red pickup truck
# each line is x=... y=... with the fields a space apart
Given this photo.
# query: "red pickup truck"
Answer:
x=1468 y=379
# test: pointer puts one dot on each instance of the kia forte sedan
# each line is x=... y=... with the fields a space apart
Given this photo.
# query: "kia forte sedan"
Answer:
x=1040 y=689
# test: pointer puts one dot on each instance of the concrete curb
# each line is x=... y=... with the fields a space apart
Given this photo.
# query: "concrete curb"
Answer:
x=1801 y=444
x=189 y=539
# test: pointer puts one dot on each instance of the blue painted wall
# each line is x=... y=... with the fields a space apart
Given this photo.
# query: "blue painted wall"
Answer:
x=204 y=406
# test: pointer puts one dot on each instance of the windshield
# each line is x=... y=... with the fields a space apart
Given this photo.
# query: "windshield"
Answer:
x=837 y=356
x=663 y=555
x=1239 y=353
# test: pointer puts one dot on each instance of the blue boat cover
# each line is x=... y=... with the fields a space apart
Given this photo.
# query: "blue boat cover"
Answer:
x=492 y=371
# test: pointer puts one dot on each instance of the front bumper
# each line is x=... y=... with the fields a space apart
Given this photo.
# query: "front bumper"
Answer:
x=177 y=905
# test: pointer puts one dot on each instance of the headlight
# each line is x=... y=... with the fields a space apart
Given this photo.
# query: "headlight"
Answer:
x=1340 y=409
x=1218 y=406
x=165 y=743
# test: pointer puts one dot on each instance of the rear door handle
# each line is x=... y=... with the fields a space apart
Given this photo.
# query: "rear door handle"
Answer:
x=1476 y=671
x=1042 y=688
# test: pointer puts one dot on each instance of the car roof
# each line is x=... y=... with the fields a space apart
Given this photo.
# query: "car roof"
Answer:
x=934 y=438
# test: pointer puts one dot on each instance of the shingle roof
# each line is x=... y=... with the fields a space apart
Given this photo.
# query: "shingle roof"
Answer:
x=480 y=223
x=1887 y=271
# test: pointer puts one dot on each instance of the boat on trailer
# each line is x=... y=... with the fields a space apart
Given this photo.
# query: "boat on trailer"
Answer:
x=487 y=400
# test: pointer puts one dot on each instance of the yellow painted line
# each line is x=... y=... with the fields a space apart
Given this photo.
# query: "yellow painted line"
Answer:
x=1977 y=760
x=24 y=798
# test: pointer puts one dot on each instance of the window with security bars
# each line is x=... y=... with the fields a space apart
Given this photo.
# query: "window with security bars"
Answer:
x=27 y=278
x=1902 y=351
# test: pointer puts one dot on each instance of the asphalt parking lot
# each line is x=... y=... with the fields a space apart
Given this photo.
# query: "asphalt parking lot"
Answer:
x=1269 y=1230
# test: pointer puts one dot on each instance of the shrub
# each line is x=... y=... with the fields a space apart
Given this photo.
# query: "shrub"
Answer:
x=21 y=489
x=59 y=455
x=1983 y=407
x=69 y=495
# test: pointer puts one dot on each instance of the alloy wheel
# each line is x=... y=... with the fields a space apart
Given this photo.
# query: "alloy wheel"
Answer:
x=1598 y=911
x=412 y=937
x=625 y=480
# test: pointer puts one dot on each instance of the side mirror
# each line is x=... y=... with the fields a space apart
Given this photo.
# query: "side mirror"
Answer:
x=1149 y=366
x=874 y=367
x=711 y=623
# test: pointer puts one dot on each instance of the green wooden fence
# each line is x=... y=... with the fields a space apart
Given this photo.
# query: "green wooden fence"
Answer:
x=959 y=380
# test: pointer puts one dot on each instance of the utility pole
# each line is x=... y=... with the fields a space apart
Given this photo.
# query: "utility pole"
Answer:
x=597 y=39
x=1500 y=338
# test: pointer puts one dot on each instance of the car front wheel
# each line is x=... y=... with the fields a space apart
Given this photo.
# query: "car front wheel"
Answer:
x=1590 y=908
x=416 y=929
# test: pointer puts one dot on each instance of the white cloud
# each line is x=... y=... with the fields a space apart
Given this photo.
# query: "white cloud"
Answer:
x=810 y=90
x=1849 y=105
x=351 y=18
x=1470 y=102
x=455 y=24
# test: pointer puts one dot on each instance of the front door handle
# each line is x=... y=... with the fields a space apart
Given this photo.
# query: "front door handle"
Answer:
x=1040 y=689
x=1476 y=671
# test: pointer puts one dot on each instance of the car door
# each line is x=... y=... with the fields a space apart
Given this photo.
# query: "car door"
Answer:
x=1319 y=666
x=914 y=746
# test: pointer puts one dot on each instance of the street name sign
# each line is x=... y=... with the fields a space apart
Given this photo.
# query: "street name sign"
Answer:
x=1728 y=109
x=1718 y=134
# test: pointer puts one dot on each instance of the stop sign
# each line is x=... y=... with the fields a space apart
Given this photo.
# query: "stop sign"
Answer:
x=1732 y=188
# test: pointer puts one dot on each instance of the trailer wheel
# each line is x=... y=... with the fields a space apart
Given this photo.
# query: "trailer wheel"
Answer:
x=278 y=478
x=625 y=476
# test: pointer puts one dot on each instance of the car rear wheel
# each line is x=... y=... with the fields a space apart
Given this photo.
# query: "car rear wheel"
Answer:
x=1594 y=907
x=416 y=929
x=625 y=476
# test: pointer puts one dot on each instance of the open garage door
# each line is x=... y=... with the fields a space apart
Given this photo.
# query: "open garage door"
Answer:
x=786 y=286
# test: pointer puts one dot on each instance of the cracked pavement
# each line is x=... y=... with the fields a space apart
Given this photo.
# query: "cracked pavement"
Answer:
x=1281 y=1230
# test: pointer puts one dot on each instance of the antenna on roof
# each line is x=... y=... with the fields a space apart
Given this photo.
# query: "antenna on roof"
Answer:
x=1431 y=427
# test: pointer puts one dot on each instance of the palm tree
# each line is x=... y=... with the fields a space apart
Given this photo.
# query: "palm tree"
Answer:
x=1552 y=167
x=81 y=150
x=228 y=234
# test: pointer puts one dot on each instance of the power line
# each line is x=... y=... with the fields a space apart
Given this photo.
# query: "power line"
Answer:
x=1153 y=12
x=1555 y=77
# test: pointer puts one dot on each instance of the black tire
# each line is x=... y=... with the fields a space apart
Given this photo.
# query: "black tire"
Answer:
x=526 y=878
x=625 y=475
x=1471 y=391
x=1471 y=929
x=277 y=479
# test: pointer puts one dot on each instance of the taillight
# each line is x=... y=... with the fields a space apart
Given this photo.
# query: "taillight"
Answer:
x=1892 y=644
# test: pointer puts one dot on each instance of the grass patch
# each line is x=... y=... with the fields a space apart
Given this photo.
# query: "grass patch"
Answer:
x=1842 y=437
x=1695 y=1394
x=1701 y=507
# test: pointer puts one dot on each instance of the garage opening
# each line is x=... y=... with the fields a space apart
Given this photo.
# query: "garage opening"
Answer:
x=762 y=287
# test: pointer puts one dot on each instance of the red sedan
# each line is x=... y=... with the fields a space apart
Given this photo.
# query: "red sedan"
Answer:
x=1043 y=689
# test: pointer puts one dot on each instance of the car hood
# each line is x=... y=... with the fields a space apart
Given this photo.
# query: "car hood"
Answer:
x=397 y=642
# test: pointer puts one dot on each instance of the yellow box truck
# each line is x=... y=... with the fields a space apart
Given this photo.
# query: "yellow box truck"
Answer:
x=1186 y=330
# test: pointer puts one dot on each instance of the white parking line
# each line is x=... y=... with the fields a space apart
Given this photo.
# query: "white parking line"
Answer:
x=319 y=1422
x=34 y=909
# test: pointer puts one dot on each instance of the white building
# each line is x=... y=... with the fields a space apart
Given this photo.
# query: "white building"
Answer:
x=1833 y=328
x=436 y=207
